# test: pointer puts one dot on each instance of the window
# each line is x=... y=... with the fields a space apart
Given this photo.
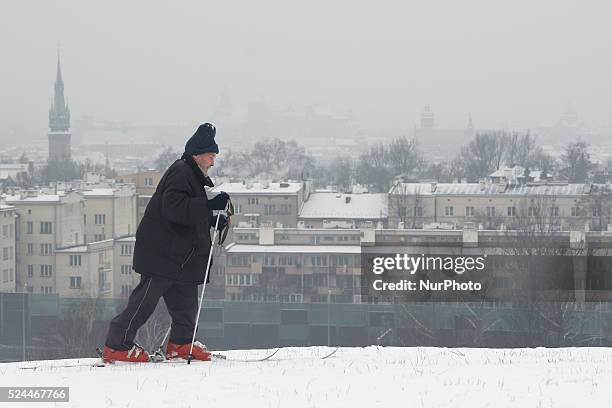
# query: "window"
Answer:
x=511 y=211
x=239 y=260
x=75 y=282
x=46 y=228
x=238 y=279
x=148 y=181
x=30 y=249
x=46 y=289
x=490 y=211
x=269 y=209
x=125 y=290
x=253 y=201
x=449 y=211
x=30 y=271
x=532 y=212
x=575 y=212
x=554 y=211
x=269 y=260
x=126 y=249
x=5 y=231
x=99 y=237
x=596 y=212
x=5 y=275
x=126 y=269
x=75 y=260
x=46 y=270
x=29 y=227
x=469 y=211
x=46 y=249
x=318 y=260
x=85 y=219
x=285 y=209
x=99 y=219
x=5 y=254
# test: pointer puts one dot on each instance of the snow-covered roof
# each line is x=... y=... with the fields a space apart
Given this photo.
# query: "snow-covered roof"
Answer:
x=286 y=187
x=39 y=198
x=79 y=248
x=293 y=249
x=98 y=192
x=488 y=189
x=345 y=206
x=127 y=239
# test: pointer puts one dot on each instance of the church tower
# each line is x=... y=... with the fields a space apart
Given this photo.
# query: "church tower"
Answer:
x=59 y=121
x=427 y=118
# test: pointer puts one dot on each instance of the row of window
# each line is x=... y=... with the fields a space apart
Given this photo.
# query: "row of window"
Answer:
x=45 y=249
x=449 y=211
x=241 y=279
x=45 y=270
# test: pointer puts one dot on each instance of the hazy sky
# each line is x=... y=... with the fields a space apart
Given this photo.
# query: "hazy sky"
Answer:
x=507 y=62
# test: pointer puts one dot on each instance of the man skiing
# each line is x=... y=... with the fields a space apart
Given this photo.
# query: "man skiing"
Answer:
x=171 y=254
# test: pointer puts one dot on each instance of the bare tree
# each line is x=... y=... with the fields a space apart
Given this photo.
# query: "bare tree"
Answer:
x=405 y=203
x=576 y=161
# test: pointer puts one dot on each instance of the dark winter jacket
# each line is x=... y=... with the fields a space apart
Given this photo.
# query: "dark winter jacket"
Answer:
x=173 y=239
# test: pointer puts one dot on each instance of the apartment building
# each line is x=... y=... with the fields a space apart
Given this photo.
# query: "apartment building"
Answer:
x=338 y=210
x=145 y=181
x=500 y=205
x=44 y=223
x=8 y=279
x=292 y=265
x=314 y=265
x=124 y=278
x=258 y=203
x=85 y=270
x=109 y=212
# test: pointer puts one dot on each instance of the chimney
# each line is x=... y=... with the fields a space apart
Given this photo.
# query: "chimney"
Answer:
x=433 y=187
x=481 y=184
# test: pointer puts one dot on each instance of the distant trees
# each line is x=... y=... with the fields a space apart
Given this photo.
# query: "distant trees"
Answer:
x=576 y=162
x=382 y=163
x=488 y=151
x=274 y=158
x=165 y=159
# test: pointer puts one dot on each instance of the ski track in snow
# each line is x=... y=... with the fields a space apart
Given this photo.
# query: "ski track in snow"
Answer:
x=353 y=377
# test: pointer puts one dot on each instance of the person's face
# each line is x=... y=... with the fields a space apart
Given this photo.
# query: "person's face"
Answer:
x=205 y=160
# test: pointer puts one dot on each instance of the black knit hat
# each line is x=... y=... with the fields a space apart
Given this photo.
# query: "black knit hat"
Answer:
x=202 y=141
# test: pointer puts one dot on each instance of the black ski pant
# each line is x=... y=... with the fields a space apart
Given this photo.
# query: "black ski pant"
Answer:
x=181 y=301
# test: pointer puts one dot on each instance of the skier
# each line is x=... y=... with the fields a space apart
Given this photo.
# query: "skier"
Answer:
x=171 y=253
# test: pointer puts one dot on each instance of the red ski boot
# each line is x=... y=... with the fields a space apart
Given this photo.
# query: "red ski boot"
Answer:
x=134 y=355
x=182 y=351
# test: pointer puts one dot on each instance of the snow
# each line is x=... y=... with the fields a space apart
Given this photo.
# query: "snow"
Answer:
x=258 y=187
x=441 y=189
x=353 y=377
x=335 y=206
x=293 y=249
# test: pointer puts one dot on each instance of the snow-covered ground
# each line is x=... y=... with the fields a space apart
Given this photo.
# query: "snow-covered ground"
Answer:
x=353 y=377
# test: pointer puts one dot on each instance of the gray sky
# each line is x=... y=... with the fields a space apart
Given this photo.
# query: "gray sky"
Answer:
x=507 y=62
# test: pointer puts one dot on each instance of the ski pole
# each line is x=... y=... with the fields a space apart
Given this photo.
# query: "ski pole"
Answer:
x=195 y=329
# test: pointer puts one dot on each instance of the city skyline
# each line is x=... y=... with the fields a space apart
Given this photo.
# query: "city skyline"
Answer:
x=513 y=66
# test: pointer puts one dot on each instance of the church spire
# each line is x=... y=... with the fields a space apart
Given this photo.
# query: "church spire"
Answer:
x=59 y=114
